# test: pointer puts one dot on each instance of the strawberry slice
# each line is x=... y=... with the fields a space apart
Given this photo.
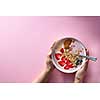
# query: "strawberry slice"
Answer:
x=70 y=65
x=64 y=59
x=62 y=63
x=58 y=56
x=66 y=67
x=67 y=61
x=62 y=50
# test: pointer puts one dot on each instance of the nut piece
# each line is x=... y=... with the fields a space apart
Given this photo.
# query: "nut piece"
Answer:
x=67 y=43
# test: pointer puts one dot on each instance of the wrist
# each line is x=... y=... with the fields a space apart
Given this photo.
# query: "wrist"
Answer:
x=47 y=70
x=78 y=79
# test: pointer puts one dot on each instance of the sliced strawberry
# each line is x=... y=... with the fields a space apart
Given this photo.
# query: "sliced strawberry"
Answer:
x=63 y=58
x=66 y=67
x=62 y=63
x=71 y=65
x=58 y=55
x=68 y=62
x=62 y=50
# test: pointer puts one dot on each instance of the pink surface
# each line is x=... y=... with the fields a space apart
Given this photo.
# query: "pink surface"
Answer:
x=25 y=41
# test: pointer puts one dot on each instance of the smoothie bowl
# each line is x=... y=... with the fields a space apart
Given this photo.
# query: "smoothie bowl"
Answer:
x=66 y=55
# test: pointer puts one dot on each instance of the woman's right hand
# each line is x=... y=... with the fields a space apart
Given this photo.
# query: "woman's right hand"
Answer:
x=49 y=64
x=81 y=72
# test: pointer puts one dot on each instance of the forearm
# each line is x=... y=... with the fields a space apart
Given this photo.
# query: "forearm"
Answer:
x=78 y=79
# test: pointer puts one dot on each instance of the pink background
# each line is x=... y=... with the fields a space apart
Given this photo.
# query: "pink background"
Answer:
x=25 y=42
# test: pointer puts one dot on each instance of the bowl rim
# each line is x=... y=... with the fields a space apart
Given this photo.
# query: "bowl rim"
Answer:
x=57 y=66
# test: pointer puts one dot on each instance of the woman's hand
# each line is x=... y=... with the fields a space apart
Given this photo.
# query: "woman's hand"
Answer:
x=81 y=73
x=43 y=76
x=49 y=64
x=79 y=76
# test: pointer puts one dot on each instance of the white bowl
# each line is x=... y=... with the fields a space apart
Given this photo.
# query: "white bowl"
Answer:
x=78 y=45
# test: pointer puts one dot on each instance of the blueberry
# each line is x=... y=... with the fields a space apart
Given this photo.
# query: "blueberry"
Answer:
x=79 y=61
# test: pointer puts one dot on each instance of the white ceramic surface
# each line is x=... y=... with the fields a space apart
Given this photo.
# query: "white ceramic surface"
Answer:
x=79 y=45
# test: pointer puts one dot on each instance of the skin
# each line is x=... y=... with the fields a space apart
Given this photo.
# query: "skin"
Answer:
x=43 y=76
x=80 y=74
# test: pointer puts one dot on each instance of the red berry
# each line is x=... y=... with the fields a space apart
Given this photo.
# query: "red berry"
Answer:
x=70 y=65
x=62 y=50
x=62 y=63
x=66 y=67
x=57 y=55
x=63 y=58
x=68 y=62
